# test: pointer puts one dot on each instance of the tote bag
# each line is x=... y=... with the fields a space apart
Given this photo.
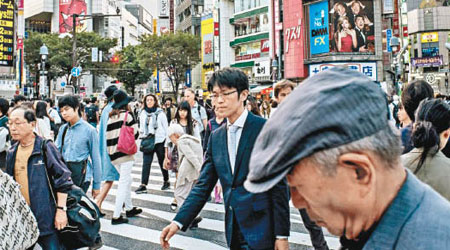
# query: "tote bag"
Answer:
x=127 y=143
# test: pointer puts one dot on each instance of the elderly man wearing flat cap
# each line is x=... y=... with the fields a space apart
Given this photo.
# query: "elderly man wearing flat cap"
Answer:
x=342 y=161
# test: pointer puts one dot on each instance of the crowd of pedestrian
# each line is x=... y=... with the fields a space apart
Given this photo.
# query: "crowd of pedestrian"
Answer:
x=368 y=170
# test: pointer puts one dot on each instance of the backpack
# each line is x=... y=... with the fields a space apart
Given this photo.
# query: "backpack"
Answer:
x=91 y=113
x=82 y=213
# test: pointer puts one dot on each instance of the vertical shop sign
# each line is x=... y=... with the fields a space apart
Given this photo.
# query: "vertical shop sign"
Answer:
x=318 y=32
x=6 y=32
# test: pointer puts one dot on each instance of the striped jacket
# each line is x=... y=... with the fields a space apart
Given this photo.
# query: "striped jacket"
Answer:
x=112 y=137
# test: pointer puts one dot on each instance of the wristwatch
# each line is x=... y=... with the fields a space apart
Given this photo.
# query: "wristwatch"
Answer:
x=62 y=208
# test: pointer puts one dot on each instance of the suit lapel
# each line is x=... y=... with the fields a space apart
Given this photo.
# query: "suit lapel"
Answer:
x=243 y=145
x=224 y=139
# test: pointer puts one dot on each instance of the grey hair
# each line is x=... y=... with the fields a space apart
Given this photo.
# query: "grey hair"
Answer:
x=386 y=144
x=175 y=129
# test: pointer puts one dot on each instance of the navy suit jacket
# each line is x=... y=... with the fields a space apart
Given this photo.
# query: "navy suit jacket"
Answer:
x=261 y=217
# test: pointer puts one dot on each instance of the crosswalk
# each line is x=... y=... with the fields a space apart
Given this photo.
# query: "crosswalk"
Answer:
x=142 y=232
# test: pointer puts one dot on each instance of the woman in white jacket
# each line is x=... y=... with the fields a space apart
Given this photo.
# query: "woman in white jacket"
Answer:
x=43 y=128
x=153 y=120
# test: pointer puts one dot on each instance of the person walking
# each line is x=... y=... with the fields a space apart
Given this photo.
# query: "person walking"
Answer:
x=252 y=106
x=26 y=164
x=153 y=121
x=43 y=128
x=198 y=112
x=251 y=221
x=430 y=135
x=53 y=115
x=345 y=168
x=5 y=140
x=109 y=172
x=123 y=162
x=169 y=109
x=91 y=112
x=190 y=161
x=265 y=110
x=78 y=141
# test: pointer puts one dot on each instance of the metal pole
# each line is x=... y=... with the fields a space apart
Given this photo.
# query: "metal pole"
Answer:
x=74 y=47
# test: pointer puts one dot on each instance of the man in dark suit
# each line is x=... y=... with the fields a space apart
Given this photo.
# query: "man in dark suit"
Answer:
x=362 y=32
x=252 y=221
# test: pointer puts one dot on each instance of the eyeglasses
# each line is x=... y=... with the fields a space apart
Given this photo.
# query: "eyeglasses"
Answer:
x=15 y=124
x=223 y=95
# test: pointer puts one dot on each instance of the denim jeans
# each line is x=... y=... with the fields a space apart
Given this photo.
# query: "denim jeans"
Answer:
x=50 y=242
x=147 y=164
x=124 y=190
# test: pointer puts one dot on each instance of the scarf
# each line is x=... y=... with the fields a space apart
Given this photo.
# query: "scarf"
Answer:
x=150 y=110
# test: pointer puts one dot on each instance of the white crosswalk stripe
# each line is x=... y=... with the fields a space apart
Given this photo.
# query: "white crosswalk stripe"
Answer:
x=142 y=232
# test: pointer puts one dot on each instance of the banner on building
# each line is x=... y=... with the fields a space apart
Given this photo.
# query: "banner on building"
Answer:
x=164 y=8
x=318 y=28
x=430 y=37
x=66 y=10
x=432 y=61
x=207 y=39
x=367 y=68
x=352 y=27
x=7 y=34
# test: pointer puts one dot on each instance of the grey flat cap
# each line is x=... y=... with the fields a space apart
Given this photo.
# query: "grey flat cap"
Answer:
x=330 y=109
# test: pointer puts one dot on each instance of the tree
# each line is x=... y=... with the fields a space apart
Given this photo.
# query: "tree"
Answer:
x=172 y=54
x=129 y=71
x=60 y=53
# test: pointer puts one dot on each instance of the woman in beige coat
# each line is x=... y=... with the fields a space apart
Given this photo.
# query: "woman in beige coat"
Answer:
x=190 y=158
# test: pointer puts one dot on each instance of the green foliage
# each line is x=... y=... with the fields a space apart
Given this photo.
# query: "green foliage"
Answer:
x=129 y=71
x=172 y=54
x=60 y=53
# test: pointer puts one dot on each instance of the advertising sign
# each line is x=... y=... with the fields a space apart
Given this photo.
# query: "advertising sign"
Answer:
x=265 y=46
x=318 y=28
x=430 y=37
x=433 y=61
x=388 y=40
x=368 y=69
x=352 y=22
x=164 y=8
x=6 y=32
x=262 y=68
x=66 y=10
x=294 y=39
x=207 y=36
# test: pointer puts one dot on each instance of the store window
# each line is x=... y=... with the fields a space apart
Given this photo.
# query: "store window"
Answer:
x=430 y=49
x=251 y=25
x=249 y=51
x=243 y=5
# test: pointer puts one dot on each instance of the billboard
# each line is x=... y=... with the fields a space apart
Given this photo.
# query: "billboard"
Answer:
x=367 y=68
x=7 y=32
x=207 y=36
x=164 y=8
x=352 y=27
x=66 y=9
x=318 y=28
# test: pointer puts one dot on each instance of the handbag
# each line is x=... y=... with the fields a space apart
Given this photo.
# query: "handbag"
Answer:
x=148 y=143
x=83 y=215
x=173 y=159
x=18 y=226
x=127 y=143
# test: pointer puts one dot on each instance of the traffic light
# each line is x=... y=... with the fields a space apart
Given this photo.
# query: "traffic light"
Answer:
x=115 y=59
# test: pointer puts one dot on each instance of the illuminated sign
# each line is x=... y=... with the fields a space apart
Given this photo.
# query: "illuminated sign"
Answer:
x=430 y=37
x=6 y=32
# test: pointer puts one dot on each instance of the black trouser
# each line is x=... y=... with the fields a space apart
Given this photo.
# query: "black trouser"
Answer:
x=3 y=161
x=78 y=170
x=315 y=232
x=147 y=164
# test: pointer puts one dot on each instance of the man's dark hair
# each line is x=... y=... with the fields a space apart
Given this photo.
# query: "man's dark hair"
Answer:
x=87 y=100
x=49 y=101
x=230 y=78
x=69 y=100
x=413 y=94
x=4 y=106
x=168 y=99
x=28 y=113
x=93 y=99
x=19 y=98
x=356 y=17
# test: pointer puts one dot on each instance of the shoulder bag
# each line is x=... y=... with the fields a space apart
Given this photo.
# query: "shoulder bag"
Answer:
x=83 y=215
x=127 y=143
x=148 y=143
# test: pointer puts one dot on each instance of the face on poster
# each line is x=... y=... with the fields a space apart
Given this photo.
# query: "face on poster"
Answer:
x=352 y=26
x=66 y=10
x=318 y=32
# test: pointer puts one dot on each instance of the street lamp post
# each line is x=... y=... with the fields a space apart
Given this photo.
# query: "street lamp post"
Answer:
x=447 y=45
x=43 y=52
x=274 y=69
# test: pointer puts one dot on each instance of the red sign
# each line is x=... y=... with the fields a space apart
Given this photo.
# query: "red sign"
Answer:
x=265 y=46
x=405 y=31
x=66 y=10
x=19 y=43
x=208 y=47
x=216 y=29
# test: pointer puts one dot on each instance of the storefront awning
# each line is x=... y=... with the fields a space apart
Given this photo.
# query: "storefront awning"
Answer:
x=260 y=88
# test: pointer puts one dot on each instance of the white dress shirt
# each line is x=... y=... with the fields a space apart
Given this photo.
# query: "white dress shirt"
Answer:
x=240 y=124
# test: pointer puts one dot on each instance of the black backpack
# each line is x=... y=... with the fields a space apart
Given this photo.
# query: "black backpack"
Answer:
x=91 y=113
x=82 y=213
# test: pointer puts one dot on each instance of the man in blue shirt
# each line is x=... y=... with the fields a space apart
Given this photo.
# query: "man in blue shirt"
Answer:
x=78 y=140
